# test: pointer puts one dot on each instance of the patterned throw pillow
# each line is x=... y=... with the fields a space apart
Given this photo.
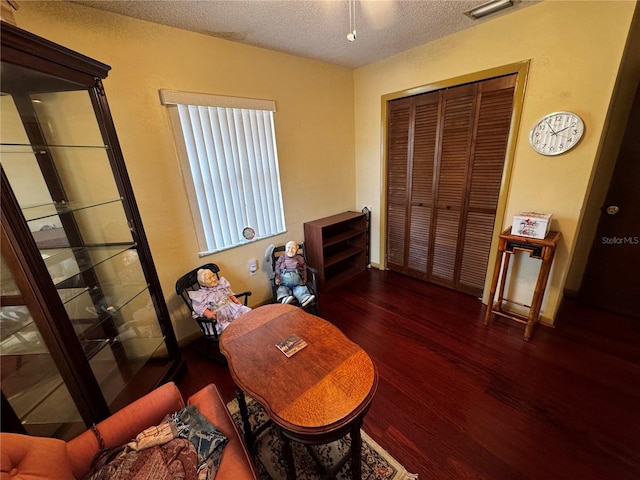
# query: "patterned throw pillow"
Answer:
x=176 y=459
x=184 y=446
x=209 y=442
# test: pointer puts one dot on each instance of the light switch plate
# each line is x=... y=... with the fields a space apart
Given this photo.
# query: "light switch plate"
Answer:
x=253 y=266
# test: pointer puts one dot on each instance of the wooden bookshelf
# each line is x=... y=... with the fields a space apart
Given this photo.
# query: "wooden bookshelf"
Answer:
x=337 y=247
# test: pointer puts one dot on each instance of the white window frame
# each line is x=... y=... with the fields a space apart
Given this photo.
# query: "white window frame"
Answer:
x=229 y=162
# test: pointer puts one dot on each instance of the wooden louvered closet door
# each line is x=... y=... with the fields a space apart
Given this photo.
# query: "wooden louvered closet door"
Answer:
x=410 y=182
x=445 y=158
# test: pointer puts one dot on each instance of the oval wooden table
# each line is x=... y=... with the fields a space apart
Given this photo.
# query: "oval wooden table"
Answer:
x=317 y=395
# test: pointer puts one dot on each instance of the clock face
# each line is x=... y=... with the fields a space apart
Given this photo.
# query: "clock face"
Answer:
x=556 y=133
x=248 y=233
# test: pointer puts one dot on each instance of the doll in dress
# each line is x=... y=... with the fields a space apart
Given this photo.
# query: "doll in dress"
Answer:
x=291 y=277
x=216 y=300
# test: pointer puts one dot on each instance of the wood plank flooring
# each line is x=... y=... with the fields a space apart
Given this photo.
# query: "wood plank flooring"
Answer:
x=458 y=400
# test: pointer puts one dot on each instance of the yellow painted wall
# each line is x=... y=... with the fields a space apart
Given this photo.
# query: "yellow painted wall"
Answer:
x=314 y=129
x=620 y=109
x=574 y=49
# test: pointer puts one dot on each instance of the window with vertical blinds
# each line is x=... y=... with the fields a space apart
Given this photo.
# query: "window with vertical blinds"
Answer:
x=229 y=160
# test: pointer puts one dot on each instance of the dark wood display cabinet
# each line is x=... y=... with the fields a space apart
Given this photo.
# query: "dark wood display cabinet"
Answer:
x=83 y=323
x=337 y=246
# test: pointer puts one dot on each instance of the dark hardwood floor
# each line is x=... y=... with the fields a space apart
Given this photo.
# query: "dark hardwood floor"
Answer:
x=458 y=400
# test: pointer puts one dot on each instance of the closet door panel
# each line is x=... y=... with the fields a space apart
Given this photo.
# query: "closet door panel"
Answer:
x=445 y=247
x=421 y=172
x=490 y=147
x=474 y=253
x=396 y=224
x=455 y=138
x=398 y=131
x=494 y=111
x=420 y=222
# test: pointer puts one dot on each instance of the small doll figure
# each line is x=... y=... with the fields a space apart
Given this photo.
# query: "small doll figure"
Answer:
x=291 y=277
x=215 y=299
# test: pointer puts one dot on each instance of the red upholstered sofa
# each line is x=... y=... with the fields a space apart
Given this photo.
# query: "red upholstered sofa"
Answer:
x=27 y=457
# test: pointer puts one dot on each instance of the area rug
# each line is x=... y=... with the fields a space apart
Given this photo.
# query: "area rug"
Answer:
x=377 y=464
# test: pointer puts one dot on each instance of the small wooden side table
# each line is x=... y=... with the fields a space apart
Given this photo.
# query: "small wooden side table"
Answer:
x=509 y=245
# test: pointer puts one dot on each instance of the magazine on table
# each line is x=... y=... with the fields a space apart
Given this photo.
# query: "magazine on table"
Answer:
x=291 y=345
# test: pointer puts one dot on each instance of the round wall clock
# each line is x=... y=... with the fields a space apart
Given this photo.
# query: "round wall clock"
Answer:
x=248 y=233
x=556 y=133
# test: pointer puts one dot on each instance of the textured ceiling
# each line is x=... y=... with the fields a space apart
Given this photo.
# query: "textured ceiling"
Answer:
x=314 y=29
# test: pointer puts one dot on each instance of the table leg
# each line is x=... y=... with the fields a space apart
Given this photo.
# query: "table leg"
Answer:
x=494 y=281
x=541 y=285
x=356 y=450
x=503 y=280
x=287 y=455
x=244 y=414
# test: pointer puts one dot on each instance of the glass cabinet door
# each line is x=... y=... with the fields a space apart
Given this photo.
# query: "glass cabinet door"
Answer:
x=31 y=382
x=72 y=193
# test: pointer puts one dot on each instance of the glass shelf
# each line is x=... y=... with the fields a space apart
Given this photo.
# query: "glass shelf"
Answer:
x=8 y=285
x=13 y=319
x=47 y=381
x=24 y=341
x=114 y=379
x=124 y=294
x=86 y=318
x=48 y=416
x=38 y=212
x=68 y=294
x=64 y=264
x=40 y=149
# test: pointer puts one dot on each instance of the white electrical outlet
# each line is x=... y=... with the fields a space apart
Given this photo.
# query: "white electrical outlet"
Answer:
x=253 y=266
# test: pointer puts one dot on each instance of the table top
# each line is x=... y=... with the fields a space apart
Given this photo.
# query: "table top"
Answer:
x=321 y=388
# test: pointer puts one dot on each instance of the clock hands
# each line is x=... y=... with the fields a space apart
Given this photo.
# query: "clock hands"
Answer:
x=553 y=132
x=564 y=136
x=557 y=134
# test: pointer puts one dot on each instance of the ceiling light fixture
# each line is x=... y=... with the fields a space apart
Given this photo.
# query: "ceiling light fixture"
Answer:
x=351 y=36
x=488 y=8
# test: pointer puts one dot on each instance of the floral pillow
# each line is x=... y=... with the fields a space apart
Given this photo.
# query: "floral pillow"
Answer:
x=208 y=441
